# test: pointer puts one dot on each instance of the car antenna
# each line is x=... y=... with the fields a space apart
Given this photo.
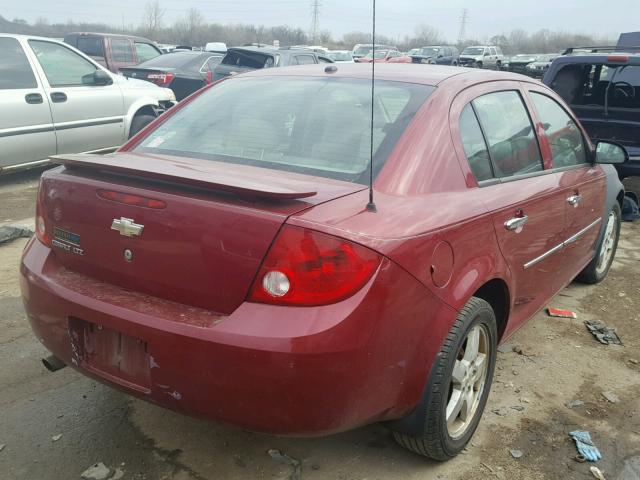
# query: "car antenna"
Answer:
x=371 y=206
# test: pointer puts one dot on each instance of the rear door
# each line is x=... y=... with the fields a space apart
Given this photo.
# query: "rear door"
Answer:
x=26 y=127
x=85 y=116
x=122 y=54
x=583 y=183
x=519 y=189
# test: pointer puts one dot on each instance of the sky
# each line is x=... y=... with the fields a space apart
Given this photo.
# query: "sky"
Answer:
x=396 y=18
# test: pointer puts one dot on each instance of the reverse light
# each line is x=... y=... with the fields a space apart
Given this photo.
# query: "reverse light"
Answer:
x=42 y=233
x=309 y=268
x=161 y=79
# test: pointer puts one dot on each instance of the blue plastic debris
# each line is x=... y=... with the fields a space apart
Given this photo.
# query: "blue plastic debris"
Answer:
x=585 y=445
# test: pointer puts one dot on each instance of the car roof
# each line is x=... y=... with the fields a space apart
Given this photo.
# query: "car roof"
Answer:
x=599 y=57
x=272 y=50
x=400 y=72
x=29 y=37
x=118 y=35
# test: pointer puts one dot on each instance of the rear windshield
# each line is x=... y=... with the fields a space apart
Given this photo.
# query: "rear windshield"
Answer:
x=170 y=60
x=248 y=59
x=594 y=85
x=315 y=126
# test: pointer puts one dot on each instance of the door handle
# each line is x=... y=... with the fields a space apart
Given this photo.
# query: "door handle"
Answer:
x=58 y=97
x=33 y=98
x=574 y=200
x=516 y=222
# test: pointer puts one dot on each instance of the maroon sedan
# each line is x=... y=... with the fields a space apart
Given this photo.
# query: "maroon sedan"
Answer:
x=225 y=263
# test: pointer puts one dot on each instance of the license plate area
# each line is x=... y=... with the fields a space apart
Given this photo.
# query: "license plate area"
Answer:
x=110 y=354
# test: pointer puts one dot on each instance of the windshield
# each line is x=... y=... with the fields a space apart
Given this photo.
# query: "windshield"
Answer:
x=309 y=125
x=428 y=52
x=339 y=56
x=547 y=58
x=473 y=51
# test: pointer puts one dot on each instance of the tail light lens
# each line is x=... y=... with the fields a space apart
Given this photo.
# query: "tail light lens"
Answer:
x=161 y=79
x=307 y=268
x=209 y=77
x=42 y=229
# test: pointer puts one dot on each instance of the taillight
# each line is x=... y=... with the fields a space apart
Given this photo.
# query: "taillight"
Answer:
x=42 y=229
x=618 y=58
x=161 y=79
x=307 y=268
x=209 y=78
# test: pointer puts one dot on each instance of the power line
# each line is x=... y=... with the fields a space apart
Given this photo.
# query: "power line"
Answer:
x=464 y=18
x=315 y=20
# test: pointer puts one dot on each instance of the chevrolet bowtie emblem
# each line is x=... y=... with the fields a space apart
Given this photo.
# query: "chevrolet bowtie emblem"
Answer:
x=127 y=227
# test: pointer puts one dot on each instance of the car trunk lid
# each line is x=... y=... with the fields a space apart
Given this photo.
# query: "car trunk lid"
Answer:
x=188 y=231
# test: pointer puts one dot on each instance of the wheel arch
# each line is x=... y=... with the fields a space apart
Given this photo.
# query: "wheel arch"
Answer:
x=145 y=106
x=496 y=293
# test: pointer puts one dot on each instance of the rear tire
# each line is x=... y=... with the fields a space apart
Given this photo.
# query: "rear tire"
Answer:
x=598 y=268
x=441 y=433
x=139 y=122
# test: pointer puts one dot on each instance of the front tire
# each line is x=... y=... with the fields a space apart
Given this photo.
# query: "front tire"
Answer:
x=598 y=268
x=458 y=386
x=478 y=64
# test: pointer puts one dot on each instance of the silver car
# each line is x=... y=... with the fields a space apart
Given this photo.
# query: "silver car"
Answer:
x=54 y=100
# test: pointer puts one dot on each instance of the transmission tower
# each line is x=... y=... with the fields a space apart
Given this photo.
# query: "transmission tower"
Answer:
x=464 y=18
x=315 y=20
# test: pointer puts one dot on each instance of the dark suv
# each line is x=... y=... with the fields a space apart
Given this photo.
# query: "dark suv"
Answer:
x=244 y=59
x=602 y=86
x=114 y=51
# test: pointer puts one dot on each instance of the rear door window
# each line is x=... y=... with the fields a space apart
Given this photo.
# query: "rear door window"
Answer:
x=565 y=138
x=509 y=133
x=15 y=70
x=121 y=50
x=145 y=52
x=304 y=60
x=92 y=46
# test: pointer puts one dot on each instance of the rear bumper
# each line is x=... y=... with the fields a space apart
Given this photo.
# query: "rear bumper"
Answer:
x=282 y=370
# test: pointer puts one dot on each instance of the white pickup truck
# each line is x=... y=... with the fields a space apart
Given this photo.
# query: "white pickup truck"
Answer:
x=55 y=100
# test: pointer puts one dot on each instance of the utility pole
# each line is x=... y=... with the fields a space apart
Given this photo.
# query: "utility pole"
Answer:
x=464 y=18
x=315 y=20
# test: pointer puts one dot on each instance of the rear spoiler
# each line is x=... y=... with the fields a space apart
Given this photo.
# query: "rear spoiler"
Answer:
x=238 y=179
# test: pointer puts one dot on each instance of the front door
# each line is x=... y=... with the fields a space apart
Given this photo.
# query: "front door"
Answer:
x=583 y=183
x=85 y=116
x=26 y=128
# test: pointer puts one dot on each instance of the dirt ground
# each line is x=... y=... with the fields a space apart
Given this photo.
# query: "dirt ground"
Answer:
x=558 y=362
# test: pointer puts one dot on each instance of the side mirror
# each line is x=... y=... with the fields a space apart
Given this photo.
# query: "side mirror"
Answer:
x=610 y=153
x=98 y=78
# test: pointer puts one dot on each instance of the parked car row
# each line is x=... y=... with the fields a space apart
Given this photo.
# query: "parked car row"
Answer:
x=61 y=101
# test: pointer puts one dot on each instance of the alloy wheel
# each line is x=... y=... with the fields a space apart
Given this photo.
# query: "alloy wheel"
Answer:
x=468 y=380
x=608 y=244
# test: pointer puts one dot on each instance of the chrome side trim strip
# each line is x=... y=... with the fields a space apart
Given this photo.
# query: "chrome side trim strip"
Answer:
x=575 y=237
x=546 y=254
x=26 y=130
x=87 y=123
x=558 y=247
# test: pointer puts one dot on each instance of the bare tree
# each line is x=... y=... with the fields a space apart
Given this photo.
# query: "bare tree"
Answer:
x=195 y=22
x=152 y=20
x=427 y=35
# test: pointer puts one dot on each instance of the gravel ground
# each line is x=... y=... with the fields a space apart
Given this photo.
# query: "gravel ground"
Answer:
x=556 y=361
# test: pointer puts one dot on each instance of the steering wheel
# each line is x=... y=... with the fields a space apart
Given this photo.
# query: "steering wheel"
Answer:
x=622 y=88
